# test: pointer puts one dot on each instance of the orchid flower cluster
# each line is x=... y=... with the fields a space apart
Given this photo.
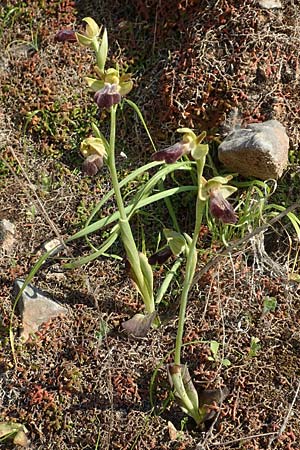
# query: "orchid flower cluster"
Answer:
x=109 y=87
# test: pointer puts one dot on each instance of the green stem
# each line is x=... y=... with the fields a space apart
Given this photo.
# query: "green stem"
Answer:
x=95 y=46
x=190 y=265
x=111 y=162
x=126 y=233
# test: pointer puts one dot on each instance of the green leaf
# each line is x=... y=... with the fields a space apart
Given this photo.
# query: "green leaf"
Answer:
x=147 y=272
x=189 y=387
x=130 y=210
x=226 y=362
x=255 y=346
x=103 y=50
x=167 y=280
x=140 y=115
x=86 y=259
x=187 y=131
x=214 y=348
x=9 y=428
x=176 y=241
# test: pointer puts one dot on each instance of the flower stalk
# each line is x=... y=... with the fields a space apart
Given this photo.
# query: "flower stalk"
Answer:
x=190 y=264
x=143 y=281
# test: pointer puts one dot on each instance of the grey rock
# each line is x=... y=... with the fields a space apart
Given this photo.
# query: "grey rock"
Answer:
x=259 y=150
x=35 y=308
x=7 y=232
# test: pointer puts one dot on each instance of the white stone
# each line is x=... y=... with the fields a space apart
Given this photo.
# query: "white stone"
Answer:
x=54 y=246
x=270 y=4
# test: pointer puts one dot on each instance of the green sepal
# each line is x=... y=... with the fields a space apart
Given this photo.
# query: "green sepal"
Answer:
x=92 y=146
x=220 y=180
x=226 y=191
x=125 y=87
x=83 y=40
x=189 y=134
x=94 y=84
x=92 y=29
x=199 y=151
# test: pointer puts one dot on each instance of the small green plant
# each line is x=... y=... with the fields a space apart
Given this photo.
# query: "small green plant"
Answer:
x=215 y=357
x=255 y=347
x=269 y=305
x=102 y=331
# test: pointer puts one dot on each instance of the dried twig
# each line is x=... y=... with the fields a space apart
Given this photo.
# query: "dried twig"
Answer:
x=37 y=199
x=286 y=419
x=246 y=438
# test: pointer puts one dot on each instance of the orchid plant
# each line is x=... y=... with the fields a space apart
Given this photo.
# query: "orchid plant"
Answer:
x=110 y=87
x=216 y=191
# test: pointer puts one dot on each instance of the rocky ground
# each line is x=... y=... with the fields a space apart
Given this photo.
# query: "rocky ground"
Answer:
x=80 y=382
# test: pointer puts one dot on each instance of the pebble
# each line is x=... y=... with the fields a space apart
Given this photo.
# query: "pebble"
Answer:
x=7 y=233
x=35 y=308
x=270 y=4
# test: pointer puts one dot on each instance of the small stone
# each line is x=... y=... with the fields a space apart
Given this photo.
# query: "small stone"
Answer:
x=7 y=232
x=259 y=150
x=270 y=4
x=54 y=246
x=35 y=308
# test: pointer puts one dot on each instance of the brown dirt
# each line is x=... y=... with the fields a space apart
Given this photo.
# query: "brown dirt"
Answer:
x=193 y=61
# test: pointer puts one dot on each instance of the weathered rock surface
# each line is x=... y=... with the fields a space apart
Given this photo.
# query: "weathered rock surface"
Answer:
x=35 y=308
x=270 y=4
x=54 y=246
x=259 y=150
x=7 y=233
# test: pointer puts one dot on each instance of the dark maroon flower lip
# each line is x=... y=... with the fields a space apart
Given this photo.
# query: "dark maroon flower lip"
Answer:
x=160 y=257
x=92 y=164
x=65 y=36
x=107 y=96
x=171 y=154
x=221 y=209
